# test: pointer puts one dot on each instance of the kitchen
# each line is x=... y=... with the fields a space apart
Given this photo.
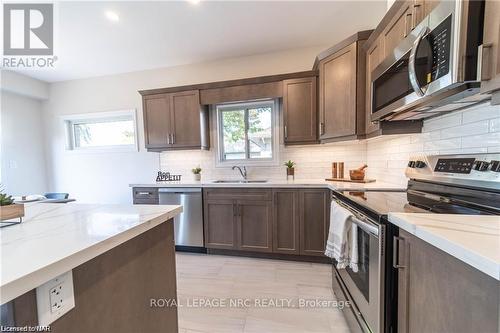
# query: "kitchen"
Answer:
x=262 y=227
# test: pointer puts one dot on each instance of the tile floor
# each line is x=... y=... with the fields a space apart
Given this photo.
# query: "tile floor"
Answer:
x=219 y=279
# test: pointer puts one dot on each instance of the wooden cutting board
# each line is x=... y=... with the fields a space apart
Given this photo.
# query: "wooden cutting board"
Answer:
x=350 y=180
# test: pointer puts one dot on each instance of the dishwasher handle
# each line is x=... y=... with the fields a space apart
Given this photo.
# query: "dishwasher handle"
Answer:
x=179 y=190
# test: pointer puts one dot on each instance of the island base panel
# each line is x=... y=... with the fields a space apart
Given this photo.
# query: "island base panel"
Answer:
x=114 y=291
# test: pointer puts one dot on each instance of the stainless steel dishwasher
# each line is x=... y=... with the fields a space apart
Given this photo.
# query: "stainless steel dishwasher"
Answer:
x=189 y=224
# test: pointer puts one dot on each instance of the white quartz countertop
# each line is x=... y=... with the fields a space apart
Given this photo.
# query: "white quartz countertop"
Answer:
x=474 y=239
x=299 y=183
x=55 y=238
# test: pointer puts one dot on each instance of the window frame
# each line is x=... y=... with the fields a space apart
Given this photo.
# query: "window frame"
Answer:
x=220 y=108
x=100 y=117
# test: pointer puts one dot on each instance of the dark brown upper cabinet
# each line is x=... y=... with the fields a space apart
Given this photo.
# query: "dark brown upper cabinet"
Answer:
x=175 y=121
x=342 y=90
x=399 y=21
x=300 y=124
x=490 y=68
x=405 y=16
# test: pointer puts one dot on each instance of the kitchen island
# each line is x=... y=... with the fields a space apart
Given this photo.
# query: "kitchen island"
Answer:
x=121 y=257
x=448 y=272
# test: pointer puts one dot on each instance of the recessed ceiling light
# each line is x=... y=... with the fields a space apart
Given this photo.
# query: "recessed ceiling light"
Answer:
x=194 y=2
x=112 y=16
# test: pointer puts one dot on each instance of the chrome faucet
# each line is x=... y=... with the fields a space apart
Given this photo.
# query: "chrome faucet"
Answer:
x=242 y=172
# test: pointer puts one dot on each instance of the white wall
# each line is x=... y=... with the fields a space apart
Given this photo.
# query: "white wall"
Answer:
x=23 y=160
x=105 y=177
x=24 y=85
x=476 y=130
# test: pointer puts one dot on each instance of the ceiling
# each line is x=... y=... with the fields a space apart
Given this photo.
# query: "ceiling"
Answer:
x=162 y=34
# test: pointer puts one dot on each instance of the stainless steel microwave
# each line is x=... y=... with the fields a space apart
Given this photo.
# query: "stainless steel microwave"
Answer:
x=435 y=69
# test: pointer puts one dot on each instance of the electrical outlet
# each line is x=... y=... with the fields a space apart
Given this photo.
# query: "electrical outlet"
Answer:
x=55 y=298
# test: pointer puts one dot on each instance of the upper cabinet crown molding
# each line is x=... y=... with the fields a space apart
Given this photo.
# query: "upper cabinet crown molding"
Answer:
x=361 y=35
x=230 y=83
x=388 y=17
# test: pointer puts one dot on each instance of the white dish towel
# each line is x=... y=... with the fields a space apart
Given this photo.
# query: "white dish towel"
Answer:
x=337 y=245
x=353 y=247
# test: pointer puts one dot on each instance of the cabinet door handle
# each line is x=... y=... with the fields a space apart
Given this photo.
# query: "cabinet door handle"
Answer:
x=286 y=133
x=395 y=252
x=416 y=8
x=322 y=128
x=173 y=138
x=408 y=19
x=484 y=62
x=143 y=193
x=235 y=208
x=168 y=139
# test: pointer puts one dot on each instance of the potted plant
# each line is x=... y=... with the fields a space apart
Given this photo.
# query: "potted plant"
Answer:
x=197 y=173
x=8 y=209
x=290 y=170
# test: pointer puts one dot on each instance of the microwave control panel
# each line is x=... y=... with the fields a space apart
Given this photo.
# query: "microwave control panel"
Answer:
x=440 y=40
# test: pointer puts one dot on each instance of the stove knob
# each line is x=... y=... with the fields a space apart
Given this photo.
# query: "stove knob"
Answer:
x=481 y=165
x=420 y=164
x=411 y=164
x=495 y=166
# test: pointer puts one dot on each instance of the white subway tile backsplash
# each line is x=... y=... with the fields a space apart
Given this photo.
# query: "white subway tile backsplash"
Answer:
x=495 y=125
x=470 y=131
x=484 y=140
x=476 y=130
x=443 y=144
x=481 y=112
x=445 y=121
x=479 y=127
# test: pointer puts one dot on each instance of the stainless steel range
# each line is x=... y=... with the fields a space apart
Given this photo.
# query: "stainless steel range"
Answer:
x=451 y=184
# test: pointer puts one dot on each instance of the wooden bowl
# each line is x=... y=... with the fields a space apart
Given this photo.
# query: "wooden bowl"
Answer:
x=357 y=174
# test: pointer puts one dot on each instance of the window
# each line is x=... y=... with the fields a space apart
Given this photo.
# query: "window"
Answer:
x=246 y=132
x=103 y=131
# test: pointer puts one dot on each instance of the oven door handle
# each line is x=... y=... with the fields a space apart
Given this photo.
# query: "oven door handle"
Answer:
x=420 y=91
x=359 y=219
x=371 y=229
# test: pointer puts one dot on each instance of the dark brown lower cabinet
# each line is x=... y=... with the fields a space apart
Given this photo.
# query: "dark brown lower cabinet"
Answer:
x=220 y=228
x=238 y=220
x=439 y=293
x=281 y=221
x=254 y=226
x=314 y=216
x=286 y=221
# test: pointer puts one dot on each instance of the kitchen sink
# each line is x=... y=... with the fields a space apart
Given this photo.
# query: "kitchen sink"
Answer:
x=239 y=181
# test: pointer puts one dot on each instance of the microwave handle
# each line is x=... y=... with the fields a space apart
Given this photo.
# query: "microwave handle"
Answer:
x=411 y=64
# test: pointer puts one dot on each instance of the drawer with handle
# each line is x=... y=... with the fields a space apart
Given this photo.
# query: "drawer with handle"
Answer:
x=145 y=195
